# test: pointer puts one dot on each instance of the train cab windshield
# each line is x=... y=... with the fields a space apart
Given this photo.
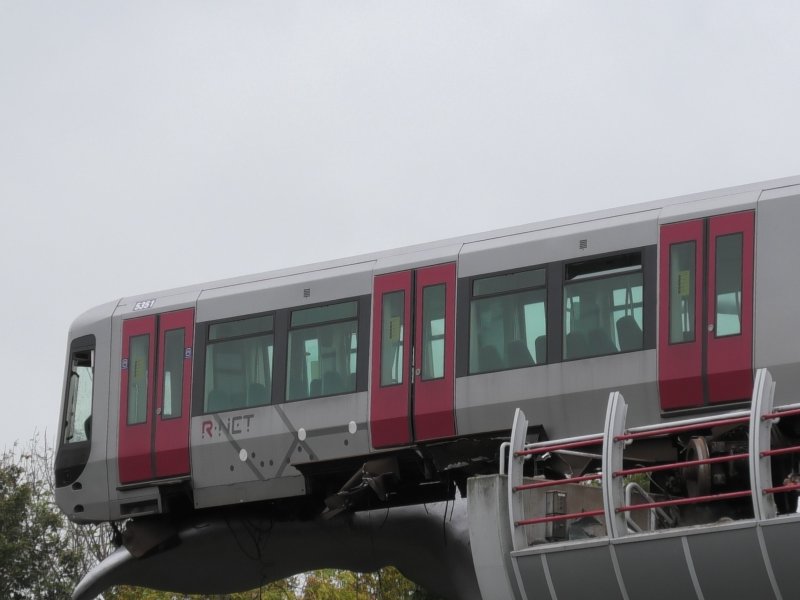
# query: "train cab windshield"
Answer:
x=77 y=423
x=76 y=428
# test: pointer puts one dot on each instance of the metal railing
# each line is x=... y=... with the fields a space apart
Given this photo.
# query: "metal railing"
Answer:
x=617 y=504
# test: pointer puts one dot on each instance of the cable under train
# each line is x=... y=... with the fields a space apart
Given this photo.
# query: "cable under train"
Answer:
x=391 y=378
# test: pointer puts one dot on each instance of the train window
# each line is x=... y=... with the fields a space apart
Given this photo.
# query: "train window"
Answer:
x=508 y=325
x=241 y=327
x=172 y=381
x=392 y=319
x=603 y=306
x=433 y=307
x=323 y=345
x=239 y=364
x=77 y=425
x=728 y=258
x=321 y=314
x=682 y=261
x=138 y=378
x=508 y=283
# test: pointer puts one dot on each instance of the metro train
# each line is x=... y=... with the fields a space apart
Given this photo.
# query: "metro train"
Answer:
x=391 y=378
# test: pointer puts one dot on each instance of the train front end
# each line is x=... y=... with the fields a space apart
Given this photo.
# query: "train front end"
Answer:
x=81 y=474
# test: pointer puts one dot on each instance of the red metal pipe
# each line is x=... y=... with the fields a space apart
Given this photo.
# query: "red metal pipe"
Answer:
x=682 y=465
x=588 y=513
x=782 y=488
x=778 y=414
x=682 y=501
x=667 y=430
x=552 y=482
x=554 y=447
x=778 y=451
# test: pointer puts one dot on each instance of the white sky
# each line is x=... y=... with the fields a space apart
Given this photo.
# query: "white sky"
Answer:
x=146 y=145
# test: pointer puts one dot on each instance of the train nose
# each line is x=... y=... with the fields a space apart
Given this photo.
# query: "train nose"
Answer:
x=76 y=423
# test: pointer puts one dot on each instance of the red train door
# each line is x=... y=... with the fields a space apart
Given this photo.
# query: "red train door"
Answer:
x=136 y=399
x=155 y=386
x=705 y=341
x=173 y=385
x=413 y=356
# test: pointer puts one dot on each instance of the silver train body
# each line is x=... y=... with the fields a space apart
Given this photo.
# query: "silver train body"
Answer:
x=393 y=377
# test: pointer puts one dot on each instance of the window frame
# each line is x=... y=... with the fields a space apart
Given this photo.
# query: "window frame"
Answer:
x=471 y=297
x=149 y=378
x=405 y=376
x=280 y=332
x=163 y=383
x=623 y=271
x=202 y=344
x=734 y=234
x=432 y=338
x=72 y=457
x=359 y=342
x=693 y=245
x=86 y=343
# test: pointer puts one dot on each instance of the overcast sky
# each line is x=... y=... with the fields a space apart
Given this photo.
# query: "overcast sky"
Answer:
x=147 y=145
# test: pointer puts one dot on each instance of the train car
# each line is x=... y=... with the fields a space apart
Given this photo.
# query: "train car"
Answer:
x=391 y=378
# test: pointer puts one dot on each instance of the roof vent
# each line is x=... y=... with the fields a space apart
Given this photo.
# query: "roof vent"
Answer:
x=583 y=244
x=307 y=293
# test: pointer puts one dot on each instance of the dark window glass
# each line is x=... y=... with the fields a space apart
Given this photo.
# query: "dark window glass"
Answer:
x=508 y=323
x=507 y=283
x=77 y=426
x=322 y=355
x=728 y=305
x=239 y=370
x=606 y=265
x=138 y=378
x=603 y=307
x=322 y=314
x=682 y=266
x=241 y=327
x=433 y=311
x=172 y=382
x=392 y=319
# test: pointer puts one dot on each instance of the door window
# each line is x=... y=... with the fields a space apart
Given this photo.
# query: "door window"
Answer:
x=682 y=264
x=138 y=378
x=728 y=302
x=433 y=309
x=172 y=379
x=392 y=316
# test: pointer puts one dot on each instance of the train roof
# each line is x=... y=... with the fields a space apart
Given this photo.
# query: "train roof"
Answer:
x=445 y=244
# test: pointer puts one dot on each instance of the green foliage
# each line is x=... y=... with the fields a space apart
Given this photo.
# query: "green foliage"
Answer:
x=43 y=556
x=386 y=584
x=279 y=590
x=36 y=560
x=326 y=584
